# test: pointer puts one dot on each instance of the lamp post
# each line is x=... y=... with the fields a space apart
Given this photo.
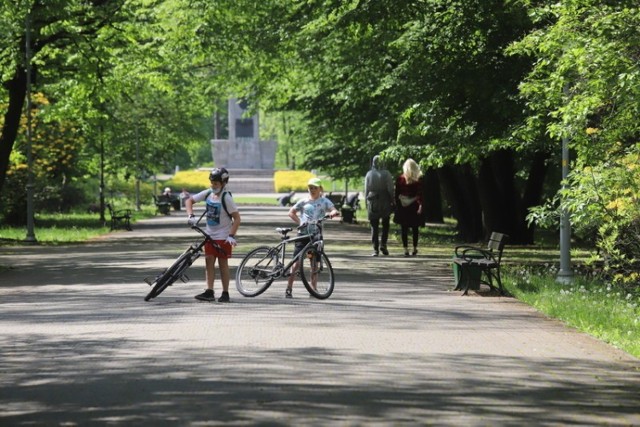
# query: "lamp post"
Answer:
x=138 y=209
x=102 y=205
x=565 y=274
x=31 y=237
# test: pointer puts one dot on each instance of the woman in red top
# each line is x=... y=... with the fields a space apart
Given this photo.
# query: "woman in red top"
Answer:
x=409 y=204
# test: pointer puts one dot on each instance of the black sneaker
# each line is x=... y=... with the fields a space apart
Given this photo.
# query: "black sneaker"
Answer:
x=224 y=297
x=288 y=294
x=375 y=253
x=206 y=296
x=384 y=251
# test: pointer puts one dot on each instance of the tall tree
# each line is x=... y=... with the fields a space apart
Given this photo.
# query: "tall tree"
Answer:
x=56 y=26
x=585 y=87
x=425 y=79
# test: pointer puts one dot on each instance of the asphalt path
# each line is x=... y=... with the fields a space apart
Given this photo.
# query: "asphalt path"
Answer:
x=394 y=345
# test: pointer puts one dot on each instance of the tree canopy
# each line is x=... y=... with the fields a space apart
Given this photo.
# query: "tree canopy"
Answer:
x=480 y=92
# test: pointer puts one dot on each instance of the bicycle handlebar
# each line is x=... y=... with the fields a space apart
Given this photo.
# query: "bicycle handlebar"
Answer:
x=314 y=222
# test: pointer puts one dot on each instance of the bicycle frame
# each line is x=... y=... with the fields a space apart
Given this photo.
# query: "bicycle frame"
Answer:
x=179 y=267
x=263 y=265
x=316 y=241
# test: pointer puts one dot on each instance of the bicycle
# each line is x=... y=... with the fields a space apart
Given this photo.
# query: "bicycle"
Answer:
x=260 y=267
x=177 y=270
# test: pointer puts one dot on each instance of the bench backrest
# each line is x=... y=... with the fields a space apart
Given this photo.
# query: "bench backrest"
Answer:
x=496 y=243
x=337 y=199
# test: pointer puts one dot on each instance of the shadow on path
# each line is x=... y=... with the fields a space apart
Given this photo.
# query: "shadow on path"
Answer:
x=392 y=346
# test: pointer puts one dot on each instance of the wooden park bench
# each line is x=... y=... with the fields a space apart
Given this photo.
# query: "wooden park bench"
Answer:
x=336 y=198
x=474 y=266
x=346 y=205
x=120 y=218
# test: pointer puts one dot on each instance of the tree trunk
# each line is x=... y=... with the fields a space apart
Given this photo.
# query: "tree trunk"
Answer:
x=17 y=88
x=493 y=201
x=505 y=207
x=459 y=189
x=432 y=197
x=533 y=191
x=498 y=195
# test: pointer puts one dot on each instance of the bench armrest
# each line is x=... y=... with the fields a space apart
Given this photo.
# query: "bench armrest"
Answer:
x=122 y=212
x=459 y=251
x=470 y=253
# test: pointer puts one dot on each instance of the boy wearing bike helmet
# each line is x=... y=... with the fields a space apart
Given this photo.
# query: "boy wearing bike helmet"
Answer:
x=311 y=208
x=223 y=219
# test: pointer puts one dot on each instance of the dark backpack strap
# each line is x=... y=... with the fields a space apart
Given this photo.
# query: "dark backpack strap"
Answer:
x=224 y=203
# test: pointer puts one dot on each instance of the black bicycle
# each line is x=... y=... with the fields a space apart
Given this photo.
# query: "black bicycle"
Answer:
x=178 y=269
x=263 y=265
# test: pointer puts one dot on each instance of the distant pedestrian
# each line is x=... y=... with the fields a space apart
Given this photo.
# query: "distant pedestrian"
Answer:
x=409 y=204
x=223 y=220
x=378 y=190
x=311 y=208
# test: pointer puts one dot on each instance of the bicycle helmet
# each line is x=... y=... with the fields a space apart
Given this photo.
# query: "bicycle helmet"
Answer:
x=219 y=175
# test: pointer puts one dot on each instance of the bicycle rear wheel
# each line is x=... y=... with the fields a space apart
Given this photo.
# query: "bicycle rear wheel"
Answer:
x=317 y=273
x=256 y=271
x=173 y=273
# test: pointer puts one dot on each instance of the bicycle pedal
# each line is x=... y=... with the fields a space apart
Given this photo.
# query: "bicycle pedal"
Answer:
x=184 y=278
x=149 y=281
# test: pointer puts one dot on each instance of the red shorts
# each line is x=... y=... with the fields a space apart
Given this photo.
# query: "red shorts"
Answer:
x=210 y=250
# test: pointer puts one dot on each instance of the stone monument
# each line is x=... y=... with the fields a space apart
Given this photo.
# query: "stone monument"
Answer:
x=243 y=149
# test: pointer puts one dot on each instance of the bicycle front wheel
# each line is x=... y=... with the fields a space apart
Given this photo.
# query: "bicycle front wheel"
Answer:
x=256 y=271
x=317 y=273
x=172 y=273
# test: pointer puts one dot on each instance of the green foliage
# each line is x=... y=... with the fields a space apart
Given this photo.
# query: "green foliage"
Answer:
x=586 y=73
x=585 y=86
x=602 y=202
x=134 y=84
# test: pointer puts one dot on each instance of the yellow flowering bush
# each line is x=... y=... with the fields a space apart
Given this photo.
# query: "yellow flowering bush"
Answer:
x=189 y=179
x=285 y=181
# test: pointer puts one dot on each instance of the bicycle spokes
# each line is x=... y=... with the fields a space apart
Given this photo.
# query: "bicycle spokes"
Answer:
x=317 y=274
x=256 y=272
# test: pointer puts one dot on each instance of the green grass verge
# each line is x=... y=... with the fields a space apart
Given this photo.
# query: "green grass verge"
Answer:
x=601 y=310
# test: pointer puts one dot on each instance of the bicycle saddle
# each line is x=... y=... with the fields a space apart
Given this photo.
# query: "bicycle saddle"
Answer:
x=283 y=230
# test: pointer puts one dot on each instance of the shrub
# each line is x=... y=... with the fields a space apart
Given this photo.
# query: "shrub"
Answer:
x=192 y=180
x=602 y=201
x=286 y=181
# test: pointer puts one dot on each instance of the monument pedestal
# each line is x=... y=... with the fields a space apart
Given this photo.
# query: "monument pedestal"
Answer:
x=243 y=149
x=244 y=154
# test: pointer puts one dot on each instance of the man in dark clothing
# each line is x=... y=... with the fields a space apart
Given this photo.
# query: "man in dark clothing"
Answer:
x=378 y=190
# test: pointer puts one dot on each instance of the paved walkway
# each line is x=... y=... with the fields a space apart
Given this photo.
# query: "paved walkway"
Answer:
x=392 y=346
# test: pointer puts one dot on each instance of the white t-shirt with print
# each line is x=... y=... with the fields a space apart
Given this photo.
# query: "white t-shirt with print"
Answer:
x=217 y=220
x=312 y=210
